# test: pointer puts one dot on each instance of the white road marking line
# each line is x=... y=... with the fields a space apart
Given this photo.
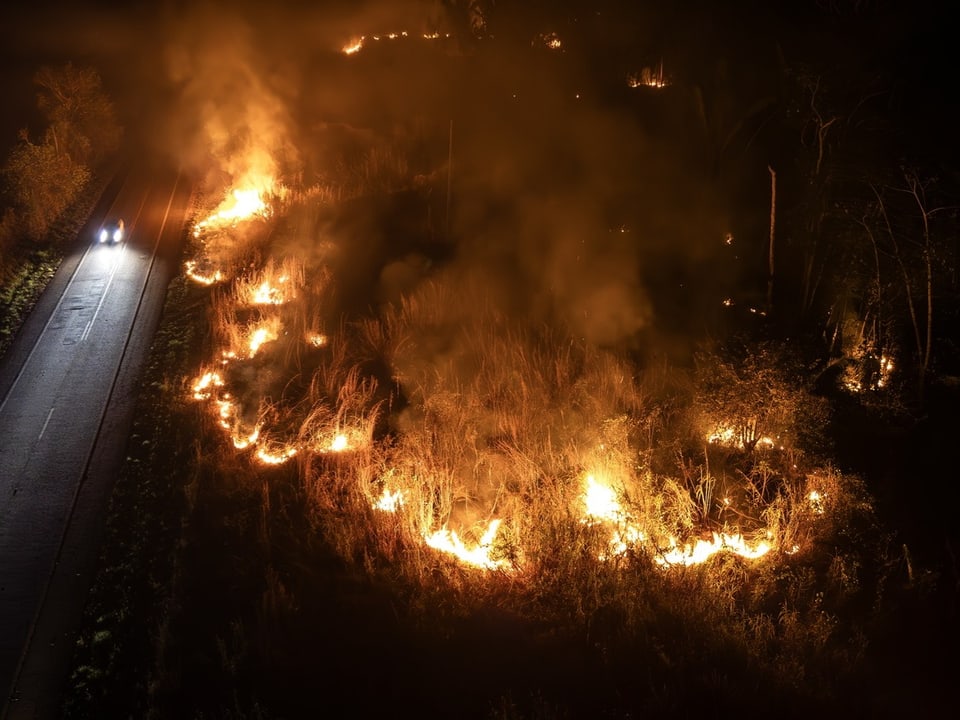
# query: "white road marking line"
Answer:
x=103 y=297
x=46 y=422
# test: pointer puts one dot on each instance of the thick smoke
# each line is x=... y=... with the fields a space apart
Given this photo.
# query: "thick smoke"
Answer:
x=573 y=199
x=233 y=109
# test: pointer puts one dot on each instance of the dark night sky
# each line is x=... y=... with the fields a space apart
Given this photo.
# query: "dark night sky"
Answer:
x=914 y=42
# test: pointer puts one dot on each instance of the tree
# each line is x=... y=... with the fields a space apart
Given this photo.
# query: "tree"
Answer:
x=836 y=128
x=82 y=120
x=42 y=182
x=751 y=391
x=906 y=214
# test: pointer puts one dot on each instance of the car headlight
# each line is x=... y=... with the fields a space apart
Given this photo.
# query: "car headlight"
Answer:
x=104 y=235
x=117 y=235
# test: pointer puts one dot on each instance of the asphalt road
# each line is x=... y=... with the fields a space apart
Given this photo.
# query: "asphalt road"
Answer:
x=67 y=389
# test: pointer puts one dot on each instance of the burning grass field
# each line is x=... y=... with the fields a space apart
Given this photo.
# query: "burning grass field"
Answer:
x=427 y=506
x=485 y=420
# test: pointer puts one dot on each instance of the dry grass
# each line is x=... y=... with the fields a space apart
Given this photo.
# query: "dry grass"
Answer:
x=441 y=415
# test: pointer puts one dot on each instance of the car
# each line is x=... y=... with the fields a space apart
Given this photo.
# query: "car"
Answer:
x=111 y=232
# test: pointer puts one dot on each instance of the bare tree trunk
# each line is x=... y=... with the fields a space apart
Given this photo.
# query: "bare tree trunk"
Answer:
x=773 y=223
x=916 y=191
x=906 y=276
x=815 y=222
x=878 y=280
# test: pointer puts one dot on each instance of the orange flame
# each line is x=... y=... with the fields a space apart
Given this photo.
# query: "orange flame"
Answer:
x=649 y=77
x=194 y=274
x=702 y=550
x=202 y=388
x=601 y=501
x=265 y=332
x=340 y=440
x=602 y=506
x=448 y=541
x=390 y=500
x=816 y=499
x=267 y=294
x=275 y=457
x=242 y=442
x=238 y=205
x=354 y=46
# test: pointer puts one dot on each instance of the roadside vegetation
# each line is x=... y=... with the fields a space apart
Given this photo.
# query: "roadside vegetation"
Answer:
x=51 y=184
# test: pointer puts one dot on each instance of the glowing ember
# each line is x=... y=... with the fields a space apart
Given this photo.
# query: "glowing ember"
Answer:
x=242 y=442
x=726 y=435
x=226 y=411
x=886 y=367
x=721 y=436
x=702 y=550
x=816 y=502
x=344 y=439
x=275 y=457
x=448 y=541
x=356 y=44
x=315 y=339
x=549 y=40
x=648 y=77
x=867 y=371
x=194 y=273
